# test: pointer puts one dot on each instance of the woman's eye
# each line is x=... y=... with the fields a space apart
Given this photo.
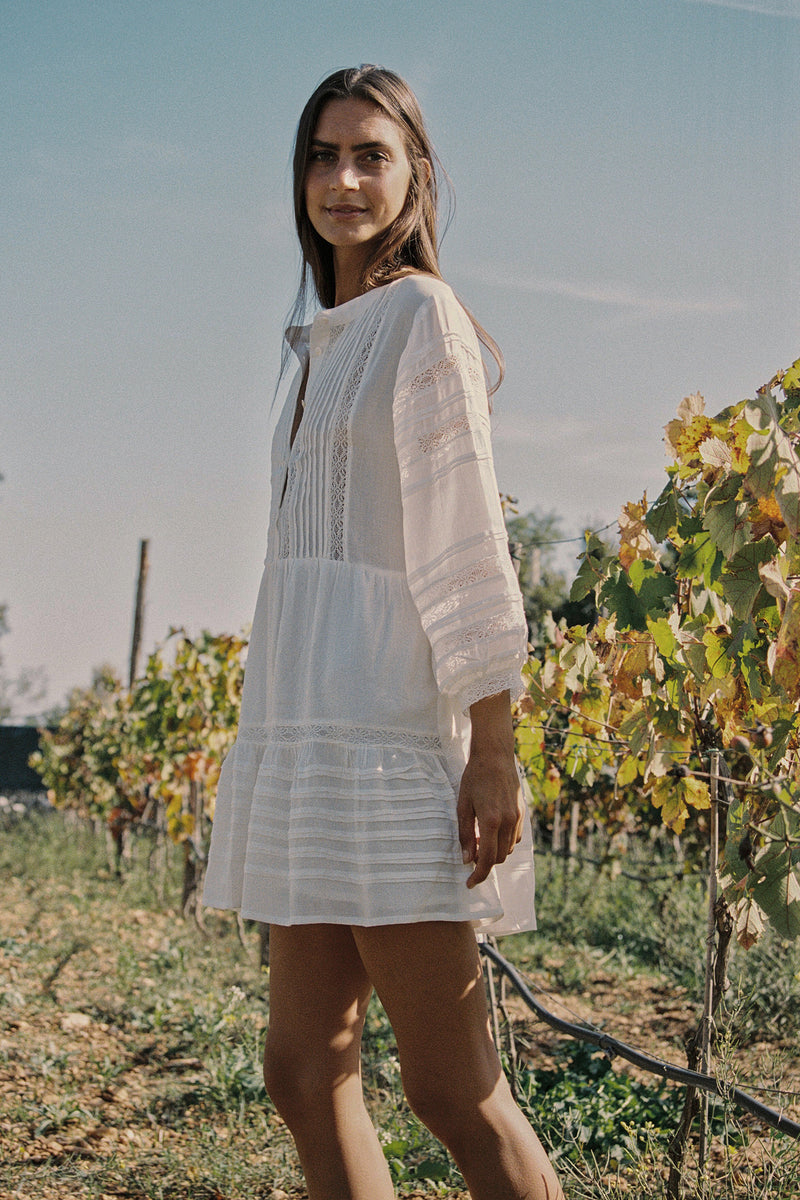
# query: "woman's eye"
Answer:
x=320 y=156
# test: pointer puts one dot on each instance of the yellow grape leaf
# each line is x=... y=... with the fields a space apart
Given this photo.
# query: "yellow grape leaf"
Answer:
x=630 y=666
x=740 y=430
x=672 y=431
x=774 y=462
x=766 y=518
x=690 y=439
x=551 y=784
x=668 y=796
x=627 y=771
x=635 y=539
x=695 y=792
x=174 y=806
x=732 y=706
x=666 y=753
x=690 y=408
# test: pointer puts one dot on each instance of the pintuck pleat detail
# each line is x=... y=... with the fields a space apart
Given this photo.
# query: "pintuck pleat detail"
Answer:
x=367 y=833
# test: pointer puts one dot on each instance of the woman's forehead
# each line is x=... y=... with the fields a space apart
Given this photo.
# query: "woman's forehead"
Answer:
x=353 y=120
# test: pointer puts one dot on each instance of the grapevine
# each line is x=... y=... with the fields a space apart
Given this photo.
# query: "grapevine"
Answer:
x=697 y=649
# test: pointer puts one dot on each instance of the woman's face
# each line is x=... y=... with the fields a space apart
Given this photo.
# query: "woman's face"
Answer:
x=357 y=176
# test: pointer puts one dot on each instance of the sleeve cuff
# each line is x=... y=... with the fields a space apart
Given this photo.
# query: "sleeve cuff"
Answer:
x=509 y=680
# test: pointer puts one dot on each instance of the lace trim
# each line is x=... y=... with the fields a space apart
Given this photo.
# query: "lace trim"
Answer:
x=449 y=365
x=335 y=333
x=482 y=568
x=508 y=680
x=340 y=448
x=353 y=735
x=283 y=514
x=444 y=434
x=501 y=623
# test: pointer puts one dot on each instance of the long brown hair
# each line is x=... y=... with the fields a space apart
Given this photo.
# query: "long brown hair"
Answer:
x=411 y=241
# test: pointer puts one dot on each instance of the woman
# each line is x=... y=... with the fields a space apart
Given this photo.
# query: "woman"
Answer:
x=362 y=812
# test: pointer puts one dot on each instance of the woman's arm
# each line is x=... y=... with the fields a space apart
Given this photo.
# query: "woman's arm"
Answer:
x=490 y=805
x=456 y=544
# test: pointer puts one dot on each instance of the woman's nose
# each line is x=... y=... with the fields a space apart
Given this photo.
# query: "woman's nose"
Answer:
x=345 y=176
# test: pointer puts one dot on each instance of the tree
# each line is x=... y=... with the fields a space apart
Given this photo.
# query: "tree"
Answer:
x=533 y=538
x=28 y=687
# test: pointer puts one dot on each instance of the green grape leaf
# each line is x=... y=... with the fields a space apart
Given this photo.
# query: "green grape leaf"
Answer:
x=725 y=516
x=585 y=581
x=717 y=658
x=654 y=587
x=791 y=378
x=741 y=580
x=698 y=558
x=663 y=636
x=662 y=516
x=621 y=600
x=778 y=894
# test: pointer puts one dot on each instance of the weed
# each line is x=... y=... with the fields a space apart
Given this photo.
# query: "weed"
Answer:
x=584 y=1106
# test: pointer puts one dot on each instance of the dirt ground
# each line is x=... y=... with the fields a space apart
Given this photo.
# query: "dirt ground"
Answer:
x=100 y=1066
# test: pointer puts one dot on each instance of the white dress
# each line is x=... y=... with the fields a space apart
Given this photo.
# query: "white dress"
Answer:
x=388 y=605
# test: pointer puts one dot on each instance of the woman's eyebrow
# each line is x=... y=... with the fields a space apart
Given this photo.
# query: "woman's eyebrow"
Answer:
x=359 y=146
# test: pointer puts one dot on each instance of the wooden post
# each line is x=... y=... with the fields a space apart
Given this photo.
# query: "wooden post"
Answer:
x=711 y=938
x=555 y=842
x=138 y=612
x=574 y=822
x=536 y=567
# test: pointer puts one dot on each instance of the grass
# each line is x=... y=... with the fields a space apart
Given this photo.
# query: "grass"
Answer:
x=130 y=1044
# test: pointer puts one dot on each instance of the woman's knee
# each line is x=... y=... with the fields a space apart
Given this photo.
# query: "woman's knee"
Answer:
x=301 y=1078
x=457 y=1115
x=437 y=1104
x=291 y=1079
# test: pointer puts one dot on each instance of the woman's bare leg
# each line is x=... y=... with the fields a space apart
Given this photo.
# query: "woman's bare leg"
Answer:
x=428 y=977
x=319 y=992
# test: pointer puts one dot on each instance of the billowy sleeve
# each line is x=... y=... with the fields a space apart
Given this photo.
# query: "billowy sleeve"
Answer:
x=456 y=546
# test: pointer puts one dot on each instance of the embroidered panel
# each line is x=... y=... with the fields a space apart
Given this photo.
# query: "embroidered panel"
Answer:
x=444 y=434
x=452 y=364
x=341 y=439
x=354 y=735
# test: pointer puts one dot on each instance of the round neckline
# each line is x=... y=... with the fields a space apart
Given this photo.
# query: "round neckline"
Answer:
x=340 y=313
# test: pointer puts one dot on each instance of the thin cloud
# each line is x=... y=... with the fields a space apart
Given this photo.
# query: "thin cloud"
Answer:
x=611 y=294
x=766 y=8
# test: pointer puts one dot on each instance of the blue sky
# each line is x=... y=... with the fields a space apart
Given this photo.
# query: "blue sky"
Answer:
x=626 y=175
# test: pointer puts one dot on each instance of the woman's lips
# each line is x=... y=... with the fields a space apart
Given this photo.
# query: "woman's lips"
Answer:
x=345 y=210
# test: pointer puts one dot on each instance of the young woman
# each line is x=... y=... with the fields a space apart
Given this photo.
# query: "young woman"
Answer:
x=371 y=802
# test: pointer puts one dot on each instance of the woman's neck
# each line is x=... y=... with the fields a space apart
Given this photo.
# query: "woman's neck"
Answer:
x=348 y=265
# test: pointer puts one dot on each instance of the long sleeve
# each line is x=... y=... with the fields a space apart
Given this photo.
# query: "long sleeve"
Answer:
x=456 y=549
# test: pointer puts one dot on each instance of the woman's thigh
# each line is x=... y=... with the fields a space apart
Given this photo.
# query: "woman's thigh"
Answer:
x=318 y=996
x=428 y=977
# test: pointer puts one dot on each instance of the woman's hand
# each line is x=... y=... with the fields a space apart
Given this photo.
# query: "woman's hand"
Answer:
x=490 y=804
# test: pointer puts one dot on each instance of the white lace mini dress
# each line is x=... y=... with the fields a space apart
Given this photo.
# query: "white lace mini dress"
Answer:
x=388 y=605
